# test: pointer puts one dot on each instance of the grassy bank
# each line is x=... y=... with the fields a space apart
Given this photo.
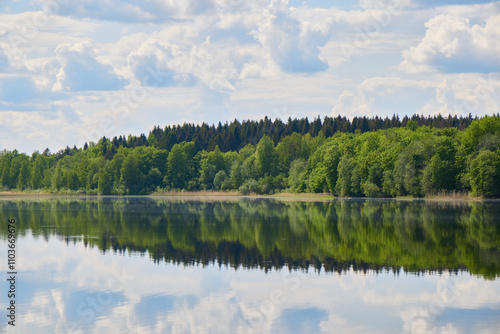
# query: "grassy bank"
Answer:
x=441 y=196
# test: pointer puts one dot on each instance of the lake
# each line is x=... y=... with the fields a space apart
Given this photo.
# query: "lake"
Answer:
x=252 y=265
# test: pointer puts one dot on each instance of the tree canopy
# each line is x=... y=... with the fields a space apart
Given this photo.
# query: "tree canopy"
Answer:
x=375 y=157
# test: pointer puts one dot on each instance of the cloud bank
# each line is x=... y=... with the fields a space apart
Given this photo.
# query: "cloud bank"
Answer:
x=217 y=60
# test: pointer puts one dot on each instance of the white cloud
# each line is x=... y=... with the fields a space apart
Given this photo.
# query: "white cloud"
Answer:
x=452 y=45
x=216 y=60
x=354 y=33
x=480 y=10
x=384 y=96
x=455 y=94
x=24 y=79
x=31 y=34
x=133 y=11
x=461 y=94
x=185 y=54
x=40 y=129
x=150 y=63
x=351 y=104
x=384 y=4
x=11 y=58
x=82 y=71
x=291 y=43
x=112 y=10
x=161 y=64
x=214 y=66
x=4 y=59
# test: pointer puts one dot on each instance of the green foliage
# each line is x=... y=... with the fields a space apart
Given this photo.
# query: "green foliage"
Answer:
x=488 y=125
x=375 y=175
x=288 y=149
x=70 y=180
x=316 y=182
x=401 y=160
x=297 y=177
x=177 y=163
x=220 y=180
x=250 y=186
x=22 y=179
x=345 y=176
x=388 y=184
x=57 y=178
x=412 y=125
x=331 y=163
x=370 y=189
x=266 y=157
x=211 y=163
x=408 y=170
x=236 y=175
x=131 y=175
x=154 y=179
x=356 y=182
x=105 y=183
x=484 y=175
x=266 y=185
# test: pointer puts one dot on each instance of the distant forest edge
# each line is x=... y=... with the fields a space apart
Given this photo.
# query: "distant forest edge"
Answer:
x=373 y=157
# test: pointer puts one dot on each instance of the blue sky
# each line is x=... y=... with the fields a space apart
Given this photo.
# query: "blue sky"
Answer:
x=72 y=72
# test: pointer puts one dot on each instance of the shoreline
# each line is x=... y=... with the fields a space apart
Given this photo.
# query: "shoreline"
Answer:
x=221 y=195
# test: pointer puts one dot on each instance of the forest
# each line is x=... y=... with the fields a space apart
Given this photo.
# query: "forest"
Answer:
x=364 y=157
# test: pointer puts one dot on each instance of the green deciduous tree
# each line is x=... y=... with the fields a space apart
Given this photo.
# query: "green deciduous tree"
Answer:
x=177 y=171
x=331 y=163
x=250 y=186
x=22 y=180
x=154 y=179
x=297 y=176
x=36 y=172
x=484 y=174
x=210 y=164
x=408 y=170
x=131 y=175
x=345 y=176
x=266 y=157
x=370 y=189
x=57 y=181
x=290 y=148
x=219 y=179
x=105 y=183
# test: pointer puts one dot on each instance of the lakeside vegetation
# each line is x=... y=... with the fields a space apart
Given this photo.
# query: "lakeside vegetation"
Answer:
x=375 y=157
x=336 y=235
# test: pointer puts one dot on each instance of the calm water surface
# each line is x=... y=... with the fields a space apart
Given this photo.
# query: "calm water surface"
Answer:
x=156 y=265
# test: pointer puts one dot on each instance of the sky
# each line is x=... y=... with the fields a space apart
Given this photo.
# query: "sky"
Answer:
x=74 y=71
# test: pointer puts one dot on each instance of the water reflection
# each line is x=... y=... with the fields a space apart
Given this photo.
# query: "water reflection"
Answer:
x=333 y=236
x=156 y=266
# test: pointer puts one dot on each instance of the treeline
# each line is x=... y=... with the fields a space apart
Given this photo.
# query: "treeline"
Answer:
x=235 y=135
x=408 y=160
